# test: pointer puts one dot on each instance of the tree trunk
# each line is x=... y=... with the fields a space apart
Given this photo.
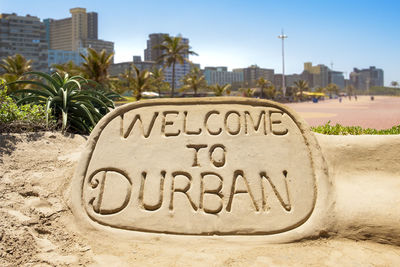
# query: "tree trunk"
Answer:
x=173 y=79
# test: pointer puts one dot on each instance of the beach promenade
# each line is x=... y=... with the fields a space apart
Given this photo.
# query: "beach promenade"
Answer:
x=382 y=113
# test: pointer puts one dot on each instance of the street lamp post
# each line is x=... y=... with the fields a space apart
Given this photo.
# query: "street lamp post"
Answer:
x=283 y=37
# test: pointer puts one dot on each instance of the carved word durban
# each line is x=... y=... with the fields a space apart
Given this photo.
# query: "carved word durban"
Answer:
x=98 y=180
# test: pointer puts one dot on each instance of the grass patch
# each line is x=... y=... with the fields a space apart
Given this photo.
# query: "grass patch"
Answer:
x=125 y=100
x=352 y=130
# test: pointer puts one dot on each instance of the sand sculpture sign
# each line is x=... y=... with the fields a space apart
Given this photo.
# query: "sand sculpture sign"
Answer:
x=213 y=166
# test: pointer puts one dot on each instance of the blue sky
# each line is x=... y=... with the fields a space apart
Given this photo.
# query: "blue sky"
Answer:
x=238 y=33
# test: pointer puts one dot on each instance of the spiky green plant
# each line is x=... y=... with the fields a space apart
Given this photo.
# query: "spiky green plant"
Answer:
x=63 y=97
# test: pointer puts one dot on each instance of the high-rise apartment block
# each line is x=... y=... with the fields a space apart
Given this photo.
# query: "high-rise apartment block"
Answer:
x=289 y=80
x=316 y=76
x=25 y=35
x=76 y=33
x=151 y=59
x=320 y=76
x=221 y=75
x=336 y=77
x=253 y=73
x=120 y=68
x=153 y=53
x=364 y=79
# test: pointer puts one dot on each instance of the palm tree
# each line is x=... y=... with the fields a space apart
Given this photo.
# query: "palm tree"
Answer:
x=96 y=65
x=270 y=92
x=332 y=89
x=394 y=83
x=262 y=84
x=174 y=51
x=158 y=83
x=70 y=67
x=301 y=86
x=219 y=90
x=194 y=80
x=139 y=82
x=247 y=92
x=14 y=67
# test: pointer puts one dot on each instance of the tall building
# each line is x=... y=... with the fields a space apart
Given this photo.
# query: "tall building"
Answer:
x=289 y=80
x=25 y=35
x=366 y=78
x=80 y=31
x=316 y=76
x=120 y=68
x=221 y=75
x=92 y=21
x=152 y=53
x=253 y=73
x=336 y=77
x=63 y=56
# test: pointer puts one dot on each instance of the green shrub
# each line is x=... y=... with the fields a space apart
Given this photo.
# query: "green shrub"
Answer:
x=352 y=130
x=24 y=118
x=75 y=109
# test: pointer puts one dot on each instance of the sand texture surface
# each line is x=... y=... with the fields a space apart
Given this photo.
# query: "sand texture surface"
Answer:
x=37 y=227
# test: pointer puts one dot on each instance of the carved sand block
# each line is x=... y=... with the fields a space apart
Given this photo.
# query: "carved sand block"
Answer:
x=208 y=166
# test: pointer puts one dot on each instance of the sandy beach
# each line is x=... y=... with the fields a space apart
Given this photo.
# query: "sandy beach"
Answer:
x=382 y=113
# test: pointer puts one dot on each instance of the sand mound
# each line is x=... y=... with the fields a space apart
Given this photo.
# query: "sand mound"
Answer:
x=38 y=229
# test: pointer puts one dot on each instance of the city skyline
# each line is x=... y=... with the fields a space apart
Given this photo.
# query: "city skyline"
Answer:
x=238 y=34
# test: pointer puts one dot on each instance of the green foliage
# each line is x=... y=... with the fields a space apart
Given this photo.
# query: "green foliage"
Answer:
x=352 y=130
x=247 y=92
x=96 y=65
x=174 y=52
x=378 y=90
x=263 y=84
x=14 y=67
x=158 y=83
x=70 y=67
x=14 y=118
x=194 y=80
x=332 y=89
x=63 y=97
x=301 y=86
x=137 y=81
x=220 y=90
